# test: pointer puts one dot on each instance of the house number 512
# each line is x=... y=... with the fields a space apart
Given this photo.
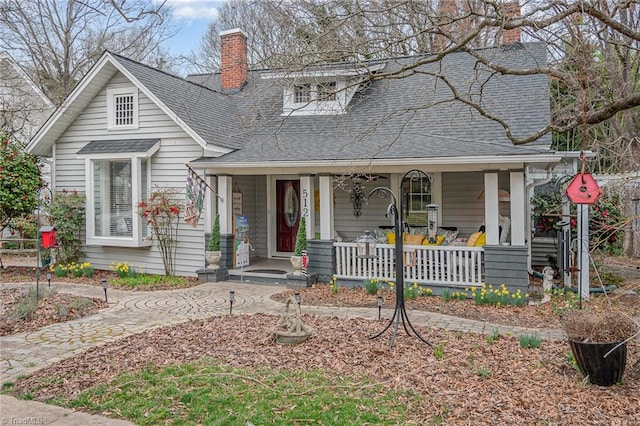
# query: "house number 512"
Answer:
x=305 y=203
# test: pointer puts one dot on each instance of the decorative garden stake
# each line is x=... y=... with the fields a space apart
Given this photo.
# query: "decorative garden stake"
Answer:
x=400 y=313
x=232 y=298
x=379 y=307
x=49 y=278
x=104 y=287
x=46 y=199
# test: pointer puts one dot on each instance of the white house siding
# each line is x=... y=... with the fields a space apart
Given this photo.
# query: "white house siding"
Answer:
x=460 y=204
x=167 y=170
x=349 y=227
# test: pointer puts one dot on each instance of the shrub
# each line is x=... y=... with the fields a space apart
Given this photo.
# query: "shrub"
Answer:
x=301 y=238
x=372 y=285
x=214 y=239
x=123 y=270
x=411 y=291
x=487 y=295
x=334 y=285
x=67 y=214
x=162 y=211
x=59 y=270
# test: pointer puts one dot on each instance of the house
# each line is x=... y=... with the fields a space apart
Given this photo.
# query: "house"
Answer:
x=277 y=146
x=23 y=106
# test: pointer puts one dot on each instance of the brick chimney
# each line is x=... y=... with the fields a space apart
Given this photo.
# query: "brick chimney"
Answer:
x=511 y=10
x=233 y=59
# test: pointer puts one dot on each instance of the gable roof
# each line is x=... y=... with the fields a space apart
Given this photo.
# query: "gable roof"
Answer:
x=8 y=59
x=196 y=109
x=412 y=117
x=24 y=104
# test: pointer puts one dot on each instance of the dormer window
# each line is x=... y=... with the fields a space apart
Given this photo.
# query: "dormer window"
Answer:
x=326 y=97
x=327 y=92
x=302 y=93
x=122 y=108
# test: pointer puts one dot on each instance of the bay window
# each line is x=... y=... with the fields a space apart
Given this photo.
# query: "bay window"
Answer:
x=116 y=183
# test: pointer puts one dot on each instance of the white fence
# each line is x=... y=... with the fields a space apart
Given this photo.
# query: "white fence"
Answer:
x=441 y=265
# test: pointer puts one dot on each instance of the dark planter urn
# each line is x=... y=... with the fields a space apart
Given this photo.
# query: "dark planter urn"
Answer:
x=593 y=364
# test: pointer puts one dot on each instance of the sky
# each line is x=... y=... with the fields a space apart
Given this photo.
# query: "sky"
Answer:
x=193 y=17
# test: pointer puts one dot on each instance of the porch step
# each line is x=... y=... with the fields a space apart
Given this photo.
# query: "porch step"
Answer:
x=258 y=278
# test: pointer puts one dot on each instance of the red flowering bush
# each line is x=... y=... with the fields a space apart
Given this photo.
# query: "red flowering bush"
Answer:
x=606 y=219
x=162 y=213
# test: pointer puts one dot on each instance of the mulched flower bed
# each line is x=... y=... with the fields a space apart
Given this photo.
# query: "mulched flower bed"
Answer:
x=474 y=381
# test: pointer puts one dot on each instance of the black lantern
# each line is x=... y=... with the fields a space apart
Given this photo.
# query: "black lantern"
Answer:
x=366 y=246
x=104 y=287
x=232 y=298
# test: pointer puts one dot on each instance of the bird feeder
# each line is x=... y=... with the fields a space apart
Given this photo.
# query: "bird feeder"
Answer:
x=583 y=188
x=48 y=236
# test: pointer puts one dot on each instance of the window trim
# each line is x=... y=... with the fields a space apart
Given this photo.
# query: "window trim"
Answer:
x=137 y=240
x=112 y=93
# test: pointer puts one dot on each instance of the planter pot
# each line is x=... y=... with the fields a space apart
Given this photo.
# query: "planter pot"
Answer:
x=213 y=258
x=296 y=263
x=283 y=338
x=592 y=363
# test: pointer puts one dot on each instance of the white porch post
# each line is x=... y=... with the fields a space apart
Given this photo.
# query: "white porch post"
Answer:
x=326 y=208
x=307 y=205
x=491 y=208
x=225 y=188
x=518 y=213
x=583 y=250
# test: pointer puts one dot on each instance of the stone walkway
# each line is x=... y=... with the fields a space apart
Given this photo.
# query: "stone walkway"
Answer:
x=133 y=312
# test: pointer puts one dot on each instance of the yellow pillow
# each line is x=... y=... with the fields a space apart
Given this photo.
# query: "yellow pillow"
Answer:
x=439 y=240
x=471 y=242
x=482 y=240
x=414 y=240
x=391 y=237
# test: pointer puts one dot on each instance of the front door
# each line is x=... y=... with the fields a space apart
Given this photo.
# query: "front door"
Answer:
x=287 y=214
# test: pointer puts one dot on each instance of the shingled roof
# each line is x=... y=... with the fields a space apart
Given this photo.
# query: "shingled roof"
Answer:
x=411 y=117
x=204 y=110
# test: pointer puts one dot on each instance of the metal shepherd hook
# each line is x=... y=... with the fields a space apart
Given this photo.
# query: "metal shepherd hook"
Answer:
x=400 y=313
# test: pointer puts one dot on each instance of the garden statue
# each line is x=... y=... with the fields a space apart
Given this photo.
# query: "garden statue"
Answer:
x=290 y=329
x=547 y=283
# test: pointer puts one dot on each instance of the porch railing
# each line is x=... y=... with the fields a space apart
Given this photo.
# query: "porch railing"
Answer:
x=440 y=265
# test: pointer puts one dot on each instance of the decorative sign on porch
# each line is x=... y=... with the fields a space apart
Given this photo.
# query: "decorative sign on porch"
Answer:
x=241 y=244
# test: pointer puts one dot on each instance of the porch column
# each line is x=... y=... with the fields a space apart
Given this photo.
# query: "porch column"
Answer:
x=491 y=208
x=307 y=204
x=518 y=215
x=326 y=207
x=225 y=188
x=211 y=203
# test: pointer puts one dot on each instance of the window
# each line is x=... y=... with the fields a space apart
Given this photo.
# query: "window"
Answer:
x=122 y=108
x=327 y=91
x=418 y=194
x=302 y=93
x=116 y=183
x=113 y=205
